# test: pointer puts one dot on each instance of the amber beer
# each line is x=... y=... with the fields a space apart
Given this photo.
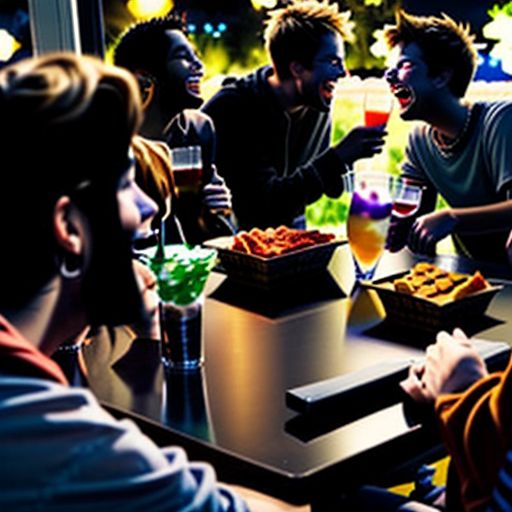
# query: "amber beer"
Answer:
x=187 y=166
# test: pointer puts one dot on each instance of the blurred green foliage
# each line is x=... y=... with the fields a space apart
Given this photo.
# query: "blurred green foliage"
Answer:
x=368 y=16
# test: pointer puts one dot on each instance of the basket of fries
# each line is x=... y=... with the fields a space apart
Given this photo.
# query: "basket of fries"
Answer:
x=428 y=297
x=272 y=257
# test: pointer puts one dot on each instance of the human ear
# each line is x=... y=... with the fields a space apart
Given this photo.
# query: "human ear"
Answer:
x=296 y=69
x=147 y=85
x=68 y=226
x=443 y=78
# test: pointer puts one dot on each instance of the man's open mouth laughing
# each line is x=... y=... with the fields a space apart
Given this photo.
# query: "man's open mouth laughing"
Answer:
x=327 y=90
x=404 y=95
x=193 y=84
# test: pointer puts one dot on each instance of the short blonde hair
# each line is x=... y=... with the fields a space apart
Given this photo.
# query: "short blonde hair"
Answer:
x=445 y=44
x=293 y=33
x=153 y=172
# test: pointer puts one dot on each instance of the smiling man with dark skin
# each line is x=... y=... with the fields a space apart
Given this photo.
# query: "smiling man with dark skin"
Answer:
x=462 y=151
x=169 y=73
x=167 y=67
x=273 y=126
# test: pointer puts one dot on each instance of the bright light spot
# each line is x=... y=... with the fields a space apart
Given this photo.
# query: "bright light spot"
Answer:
x=8 y=45
x=379 y=48
x=216 y=34
x=263 y=4
x=221 y=27
x=500 y=29
x=502 y=51
x=144 y=9
x=493 y=63
x=191 y=28
x=208 y=28
x=373 y=2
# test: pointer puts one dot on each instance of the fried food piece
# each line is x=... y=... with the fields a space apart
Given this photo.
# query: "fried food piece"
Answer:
x=474 y=284
x=437 y=273
x=422 y=268
x=404 y=285
x=240 y=245
x=444 y=284
x=419 y=280
x=256 y=246
x=457 y=278
x=274 y=242
x=428 y=291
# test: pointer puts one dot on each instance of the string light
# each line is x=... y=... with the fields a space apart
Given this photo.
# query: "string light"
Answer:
x=8 y=45
x=144 y=9
x=263 y=4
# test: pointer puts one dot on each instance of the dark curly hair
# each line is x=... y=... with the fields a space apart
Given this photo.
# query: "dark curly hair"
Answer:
x=145 y=45
x=444 y=43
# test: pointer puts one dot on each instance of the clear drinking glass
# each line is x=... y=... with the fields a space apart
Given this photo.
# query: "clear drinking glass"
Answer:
x=181 y=276
x=407 y=199
x=182 y=330
x=187 y=166
x=368 y=219
x=378 y=105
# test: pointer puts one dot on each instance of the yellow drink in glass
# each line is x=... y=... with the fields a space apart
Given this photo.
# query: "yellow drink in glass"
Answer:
x=368 y=222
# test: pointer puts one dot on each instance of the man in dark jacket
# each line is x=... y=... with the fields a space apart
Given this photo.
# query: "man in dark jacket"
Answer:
x=273 y=126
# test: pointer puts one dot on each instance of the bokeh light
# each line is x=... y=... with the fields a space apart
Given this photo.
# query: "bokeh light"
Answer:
x=8 y=45
x=263 y=4
x=144 y=9
x=500 y=30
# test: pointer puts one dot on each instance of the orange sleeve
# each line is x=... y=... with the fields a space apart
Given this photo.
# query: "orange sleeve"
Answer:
x=476 y=428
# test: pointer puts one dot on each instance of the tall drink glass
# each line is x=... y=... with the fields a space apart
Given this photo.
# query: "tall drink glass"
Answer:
x=181 y=274
x=368 y=219
x=377 y=108
x=378 y=104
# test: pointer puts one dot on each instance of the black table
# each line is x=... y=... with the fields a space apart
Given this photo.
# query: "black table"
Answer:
x=257 y=345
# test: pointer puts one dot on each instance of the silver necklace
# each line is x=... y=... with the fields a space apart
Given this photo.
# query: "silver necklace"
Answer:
x=447 y=148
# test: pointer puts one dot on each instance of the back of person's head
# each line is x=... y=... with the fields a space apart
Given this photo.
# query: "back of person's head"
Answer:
x=154 y=173
x=66 y=124
x=293 y=33
x=445 y=44
x=144 y=47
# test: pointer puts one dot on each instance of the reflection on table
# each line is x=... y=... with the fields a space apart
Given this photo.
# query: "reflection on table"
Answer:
x=233 y=411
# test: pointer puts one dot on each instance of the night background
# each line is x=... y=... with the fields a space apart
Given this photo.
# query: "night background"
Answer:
x=228 y=32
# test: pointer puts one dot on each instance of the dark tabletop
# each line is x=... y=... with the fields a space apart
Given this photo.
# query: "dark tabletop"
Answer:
x=260 y=344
